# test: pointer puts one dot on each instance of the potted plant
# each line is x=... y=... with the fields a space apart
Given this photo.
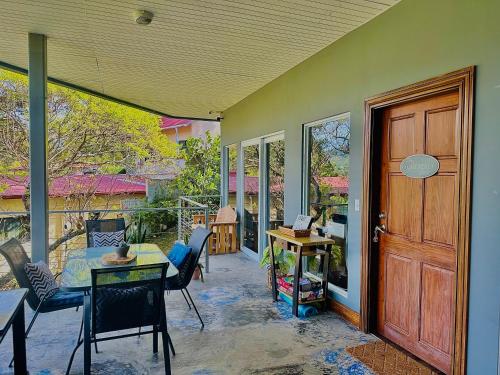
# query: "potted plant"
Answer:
x=338 y=267
x=283 y=260
x=198 y=273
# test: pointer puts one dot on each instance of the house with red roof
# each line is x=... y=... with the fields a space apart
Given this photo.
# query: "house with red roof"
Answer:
x=179 y=130
x=73 y=185
x=76 y=192
x=338 y=185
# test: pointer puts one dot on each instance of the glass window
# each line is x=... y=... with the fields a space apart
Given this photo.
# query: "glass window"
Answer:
x=327 y=188
x=232 y=167
x=251 y=197
x=276 y=183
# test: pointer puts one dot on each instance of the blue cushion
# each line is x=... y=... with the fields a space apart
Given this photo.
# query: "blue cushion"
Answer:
x=179 y=254
x=62 y=300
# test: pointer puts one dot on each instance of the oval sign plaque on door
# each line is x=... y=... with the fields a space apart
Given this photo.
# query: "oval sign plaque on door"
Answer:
x=419 y=166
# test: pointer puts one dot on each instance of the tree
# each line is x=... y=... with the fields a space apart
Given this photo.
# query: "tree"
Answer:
x=329 y=157
x=85 y=133
x=200 y=174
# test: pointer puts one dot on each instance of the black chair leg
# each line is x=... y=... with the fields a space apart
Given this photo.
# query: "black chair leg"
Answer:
x=95 y=346
x=166 y=354
x=73 y=356
x=78 y=343
x=189 y=305
x=195 y=309
x=171 y=344
x=81 y=331
x=155 y=339
x=37 y=311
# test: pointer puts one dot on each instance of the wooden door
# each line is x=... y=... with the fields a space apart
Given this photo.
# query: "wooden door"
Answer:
x=418 y=252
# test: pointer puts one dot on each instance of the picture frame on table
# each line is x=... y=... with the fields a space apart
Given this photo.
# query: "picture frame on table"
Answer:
x=302 y=222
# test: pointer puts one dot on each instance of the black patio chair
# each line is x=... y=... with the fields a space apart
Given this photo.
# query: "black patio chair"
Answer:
x=124 y=298
x=16 y=257
x=186 y=270
x=103 y=225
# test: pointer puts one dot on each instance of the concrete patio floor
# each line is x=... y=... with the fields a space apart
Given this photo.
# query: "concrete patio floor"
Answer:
x=245 y=333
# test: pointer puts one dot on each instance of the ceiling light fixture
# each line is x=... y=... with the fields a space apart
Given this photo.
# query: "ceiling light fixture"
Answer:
x=143 y=17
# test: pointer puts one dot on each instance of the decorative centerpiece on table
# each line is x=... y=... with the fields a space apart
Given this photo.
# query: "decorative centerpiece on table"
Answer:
x=301 y=227
x=121 y=255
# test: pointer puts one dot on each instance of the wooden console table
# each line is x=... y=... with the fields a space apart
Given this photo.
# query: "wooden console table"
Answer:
x=301 y=246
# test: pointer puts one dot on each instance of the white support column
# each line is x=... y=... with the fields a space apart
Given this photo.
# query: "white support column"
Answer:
x=37 y=74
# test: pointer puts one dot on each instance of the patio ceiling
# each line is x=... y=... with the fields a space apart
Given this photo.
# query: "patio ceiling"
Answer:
x=196 y=56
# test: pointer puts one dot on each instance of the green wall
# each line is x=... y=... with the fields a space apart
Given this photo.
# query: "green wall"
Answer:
x=413 y=41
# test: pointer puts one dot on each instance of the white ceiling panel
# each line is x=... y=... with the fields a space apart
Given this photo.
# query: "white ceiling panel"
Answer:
x=195 y=57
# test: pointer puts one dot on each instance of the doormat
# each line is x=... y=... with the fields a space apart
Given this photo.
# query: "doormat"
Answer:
x=385 y=359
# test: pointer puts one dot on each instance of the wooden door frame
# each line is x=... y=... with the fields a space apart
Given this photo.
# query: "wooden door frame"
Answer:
x=463 y=81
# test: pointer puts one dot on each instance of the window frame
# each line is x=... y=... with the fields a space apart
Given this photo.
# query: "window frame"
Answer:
x=263 y=199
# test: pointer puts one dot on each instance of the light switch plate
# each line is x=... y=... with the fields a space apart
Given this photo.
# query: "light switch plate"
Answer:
x=356 y=205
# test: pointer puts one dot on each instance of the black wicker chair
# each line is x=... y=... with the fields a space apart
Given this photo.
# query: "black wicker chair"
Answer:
x=16 y=257
x=181 y=281
x=124 y=298
x=103 y=225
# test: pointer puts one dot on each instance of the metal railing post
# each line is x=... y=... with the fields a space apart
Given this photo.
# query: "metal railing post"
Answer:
x=179 y=221
x=207 y=225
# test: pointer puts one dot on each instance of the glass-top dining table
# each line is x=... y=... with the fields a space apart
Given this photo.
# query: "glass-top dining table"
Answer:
x=76 y=277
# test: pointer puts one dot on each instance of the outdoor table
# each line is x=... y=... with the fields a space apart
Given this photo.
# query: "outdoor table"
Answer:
x=302 y=247
x=12 y=314
x=76 y=276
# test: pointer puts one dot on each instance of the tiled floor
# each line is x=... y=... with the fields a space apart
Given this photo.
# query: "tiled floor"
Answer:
x=245 y=333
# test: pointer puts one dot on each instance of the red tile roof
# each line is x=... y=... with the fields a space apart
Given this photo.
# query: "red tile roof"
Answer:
x=251 y=183
x=167 y=122
x=12 y=188
x=339 y=185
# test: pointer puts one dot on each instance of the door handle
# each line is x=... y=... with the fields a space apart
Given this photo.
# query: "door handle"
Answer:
x=377 y=230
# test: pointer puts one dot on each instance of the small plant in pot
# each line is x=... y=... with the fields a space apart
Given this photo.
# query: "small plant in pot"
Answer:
x=198 y=273
x=283 y=260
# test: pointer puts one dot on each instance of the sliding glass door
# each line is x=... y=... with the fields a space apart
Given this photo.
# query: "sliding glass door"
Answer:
x=262 y=184
x=251 y=187
x=275 y=181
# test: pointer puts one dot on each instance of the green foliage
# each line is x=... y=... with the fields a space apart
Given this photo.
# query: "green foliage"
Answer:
x=136 y=233
x=329 y=157
x=338 y=258
x=283 y=259
x=155 y=222
x=83 y=131
x=201 y=172
x=233 y=157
